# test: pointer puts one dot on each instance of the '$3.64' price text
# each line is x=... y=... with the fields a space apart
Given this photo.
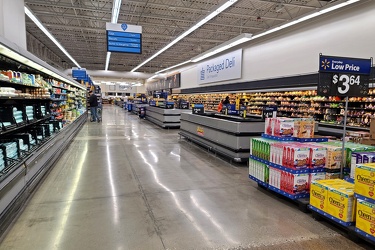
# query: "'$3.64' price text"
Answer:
x=345 y=82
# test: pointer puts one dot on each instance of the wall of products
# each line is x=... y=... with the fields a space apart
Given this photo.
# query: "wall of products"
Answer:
x=297 y=104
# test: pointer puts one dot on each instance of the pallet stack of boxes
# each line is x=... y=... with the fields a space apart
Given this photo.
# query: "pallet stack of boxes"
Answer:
x=297 y=158
x=364 y=191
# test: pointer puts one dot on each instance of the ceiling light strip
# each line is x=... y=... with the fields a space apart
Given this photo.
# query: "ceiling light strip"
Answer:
x=50 y=36
x=238 y=40
x=193 y=28
x=174 y=66
x=115 y=13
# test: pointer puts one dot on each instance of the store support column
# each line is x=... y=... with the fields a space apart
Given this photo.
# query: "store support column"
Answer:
x=12 y=21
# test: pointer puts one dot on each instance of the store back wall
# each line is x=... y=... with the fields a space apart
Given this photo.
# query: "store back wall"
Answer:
x=296 y=51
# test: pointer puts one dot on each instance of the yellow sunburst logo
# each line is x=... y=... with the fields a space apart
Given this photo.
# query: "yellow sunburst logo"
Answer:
x=326 y=64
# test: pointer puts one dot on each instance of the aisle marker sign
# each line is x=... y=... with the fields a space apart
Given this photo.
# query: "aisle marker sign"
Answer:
x=339 y=76
x=124 y=38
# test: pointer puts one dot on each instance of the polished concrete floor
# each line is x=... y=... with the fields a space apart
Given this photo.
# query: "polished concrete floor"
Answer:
x=127 y=184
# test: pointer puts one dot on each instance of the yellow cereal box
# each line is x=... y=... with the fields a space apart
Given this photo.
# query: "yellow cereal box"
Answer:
x=365 y=180
x=318 y=195
x=319 y=192
x=341 y=202
x=365 y=217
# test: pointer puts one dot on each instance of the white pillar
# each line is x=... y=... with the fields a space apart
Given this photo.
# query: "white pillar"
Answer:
x=12 y=21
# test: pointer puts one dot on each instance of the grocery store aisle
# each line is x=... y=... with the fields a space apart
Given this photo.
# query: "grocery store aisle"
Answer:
x=127 y=184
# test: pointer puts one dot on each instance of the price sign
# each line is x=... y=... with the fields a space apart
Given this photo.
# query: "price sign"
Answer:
x=343 y=76
x=198 y=109
x=269 y=112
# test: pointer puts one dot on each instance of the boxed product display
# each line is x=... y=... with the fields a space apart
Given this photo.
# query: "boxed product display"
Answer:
x=316 y=177
x=365 y=180
x=284 y=127
x=319 y=192
x=365 y=217
x=269 y=126
x=304 y=128
x=296 y=156
x=18 y=116
x=258 y=170
x=334 y=157
x=341 y=202
x=359 y=158
x=318 y=156
x=288 y=182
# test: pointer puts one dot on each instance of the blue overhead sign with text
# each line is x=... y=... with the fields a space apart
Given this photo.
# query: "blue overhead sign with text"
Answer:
x=344 y=65
x=124 y=38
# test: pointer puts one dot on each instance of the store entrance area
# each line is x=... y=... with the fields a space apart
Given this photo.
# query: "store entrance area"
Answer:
x=128 y=184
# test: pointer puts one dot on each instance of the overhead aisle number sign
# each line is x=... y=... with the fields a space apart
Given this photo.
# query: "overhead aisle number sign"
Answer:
x=339 y=76
x=124 y=38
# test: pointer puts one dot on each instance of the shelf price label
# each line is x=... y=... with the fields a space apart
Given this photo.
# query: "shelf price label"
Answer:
x=343 y=76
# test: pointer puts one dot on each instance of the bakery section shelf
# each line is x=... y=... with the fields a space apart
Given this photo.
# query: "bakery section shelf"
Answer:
x=35 y=124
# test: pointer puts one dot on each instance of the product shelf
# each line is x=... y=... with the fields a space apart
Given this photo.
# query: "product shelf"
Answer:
x=365 y=236
x=341 y=222
x=259 y=181
x=288 y=195
x=293 y=171
x=358 y=196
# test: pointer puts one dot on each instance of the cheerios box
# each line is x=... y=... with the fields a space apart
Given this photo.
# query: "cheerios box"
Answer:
x=365 y=217
x=341 y=202
x=319 y=193
x=365 y=180
x=284 y=127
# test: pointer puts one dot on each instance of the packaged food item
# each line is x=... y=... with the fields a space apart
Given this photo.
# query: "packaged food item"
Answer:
x=365 y=180
x=334 y=157
x=341 y=202
x=304 y=128
x=284 y=127
x=269 y=126
x=319 y=192
x=315 y=177
x=365 y=217
x=359 y=158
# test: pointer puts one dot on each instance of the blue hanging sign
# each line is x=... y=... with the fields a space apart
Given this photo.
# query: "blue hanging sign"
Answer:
x=344 y=65
x=124 y=38
x=339 y=76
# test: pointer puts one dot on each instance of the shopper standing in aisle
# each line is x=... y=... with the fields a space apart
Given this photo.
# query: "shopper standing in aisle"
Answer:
x=93 y=100
x=226 y=101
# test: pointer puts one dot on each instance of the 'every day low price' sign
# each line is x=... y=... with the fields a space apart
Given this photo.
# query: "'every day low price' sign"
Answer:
x=339 y=76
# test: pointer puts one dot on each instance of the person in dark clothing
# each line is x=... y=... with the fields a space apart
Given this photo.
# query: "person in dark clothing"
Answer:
x=93 y=100
x=226 y=101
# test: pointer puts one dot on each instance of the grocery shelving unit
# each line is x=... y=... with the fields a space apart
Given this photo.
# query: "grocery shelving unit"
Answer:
x=41 y=110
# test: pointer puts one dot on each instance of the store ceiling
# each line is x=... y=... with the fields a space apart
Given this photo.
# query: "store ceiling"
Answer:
x=79 y=25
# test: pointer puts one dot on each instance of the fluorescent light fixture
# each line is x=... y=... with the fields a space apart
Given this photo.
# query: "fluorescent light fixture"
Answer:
x=307 y=17
x=238 y=40
x=115 y=10
x=196 y=26
x=110 y=83
x=115 y=13
x=22 y=59
x=50 y=36
x=174 y=66
x=245 y=37
x=107 y=60
x=124 y=84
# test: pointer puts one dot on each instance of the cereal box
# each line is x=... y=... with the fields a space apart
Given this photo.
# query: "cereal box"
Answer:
x=300 y=157
x=269 y=126
x=341 y=202
x=304 y=128
x=318 y=195
x=315 y=177
x=365 y=217
x=284 y=127
x=365 y=180
x=359 y=158
x=318 y=157
x=334 y=157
